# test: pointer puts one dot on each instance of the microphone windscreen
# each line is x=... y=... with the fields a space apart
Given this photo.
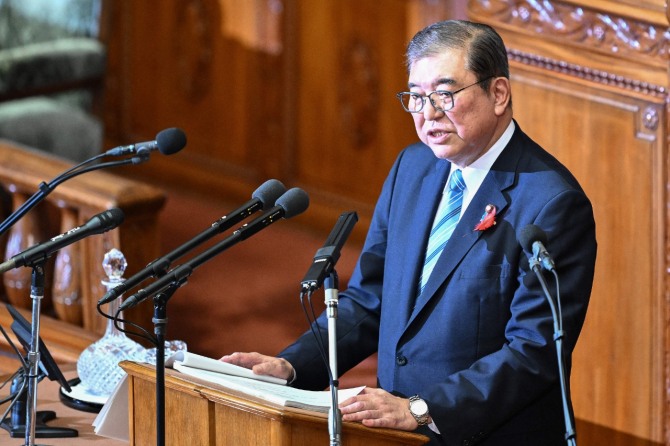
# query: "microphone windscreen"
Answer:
x=105 y=221
x=170 y=140
x=112 y=217
x=295 y=201
x=531 y=234
x=269 y=192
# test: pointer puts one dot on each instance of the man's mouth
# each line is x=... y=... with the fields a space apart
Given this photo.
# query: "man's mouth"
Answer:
x=437 y=134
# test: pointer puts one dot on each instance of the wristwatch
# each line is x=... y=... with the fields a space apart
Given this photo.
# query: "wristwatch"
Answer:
x=419 y=410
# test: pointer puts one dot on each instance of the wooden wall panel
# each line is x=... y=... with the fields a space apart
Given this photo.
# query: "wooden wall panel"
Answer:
x=215 y=69
x=299 y=91
x=590 y=84
x=618 y=365
x=349 y=124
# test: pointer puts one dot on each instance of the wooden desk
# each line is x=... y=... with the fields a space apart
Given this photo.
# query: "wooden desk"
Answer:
x=47 y=393
x=205 y=414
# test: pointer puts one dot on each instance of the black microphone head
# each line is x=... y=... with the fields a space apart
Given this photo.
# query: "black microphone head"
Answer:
x=111 y=218
x=269 y=192
x=531 y=234
x=170 y=140
x=295 y=201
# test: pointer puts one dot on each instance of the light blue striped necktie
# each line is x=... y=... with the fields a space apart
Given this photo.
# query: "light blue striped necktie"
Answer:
x=443 y=226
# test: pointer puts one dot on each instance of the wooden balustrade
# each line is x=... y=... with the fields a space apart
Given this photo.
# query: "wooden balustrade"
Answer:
x=75 y=273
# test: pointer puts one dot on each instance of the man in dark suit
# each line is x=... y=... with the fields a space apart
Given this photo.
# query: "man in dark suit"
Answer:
x=465 y=352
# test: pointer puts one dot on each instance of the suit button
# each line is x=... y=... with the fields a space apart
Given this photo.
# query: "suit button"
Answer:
x=400 y=360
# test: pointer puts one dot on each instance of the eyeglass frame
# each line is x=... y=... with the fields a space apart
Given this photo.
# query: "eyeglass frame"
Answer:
x=432 y=102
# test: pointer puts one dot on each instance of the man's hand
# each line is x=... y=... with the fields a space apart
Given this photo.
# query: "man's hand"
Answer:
x=378 y=408
x=261 y=364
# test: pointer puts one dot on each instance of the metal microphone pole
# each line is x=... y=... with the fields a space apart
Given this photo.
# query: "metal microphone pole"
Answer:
x=558 y=340
x=330 y=287
x=160 y=322
x=36 y=294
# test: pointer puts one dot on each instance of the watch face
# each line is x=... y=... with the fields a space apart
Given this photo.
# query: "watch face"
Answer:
x=419 y=407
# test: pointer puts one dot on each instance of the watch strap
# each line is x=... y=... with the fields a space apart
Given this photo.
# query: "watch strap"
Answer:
x=421 y=419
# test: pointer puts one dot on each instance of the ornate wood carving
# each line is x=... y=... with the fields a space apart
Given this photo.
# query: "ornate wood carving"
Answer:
x=591 y=28
x=587 y=73
x=359 y=92
x=193 y=48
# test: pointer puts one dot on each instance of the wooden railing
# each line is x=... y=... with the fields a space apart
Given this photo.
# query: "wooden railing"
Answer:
x=74 y=274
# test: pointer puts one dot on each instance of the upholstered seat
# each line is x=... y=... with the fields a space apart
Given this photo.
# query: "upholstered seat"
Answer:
x=51 y=70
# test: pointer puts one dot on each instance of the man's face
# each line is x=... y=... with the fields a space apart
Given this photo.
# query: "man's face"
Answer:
x=464 y=133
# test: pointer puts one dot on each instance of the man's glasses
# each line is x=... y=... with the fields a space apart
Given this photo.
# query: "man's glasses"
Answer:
x=441 y=100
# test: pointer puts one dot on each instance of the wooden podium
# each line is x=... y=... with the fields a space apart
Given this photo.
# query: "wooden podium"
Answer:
x=198 y=413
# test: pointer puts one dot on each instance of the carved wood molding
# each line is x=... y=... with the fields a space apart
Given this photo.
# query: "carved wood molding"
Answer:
x=587 y=73
x=589 y=27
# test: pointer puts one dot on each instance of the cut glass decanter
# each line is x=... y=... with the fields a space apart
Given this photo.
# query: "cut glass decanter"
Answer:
x=97 y=365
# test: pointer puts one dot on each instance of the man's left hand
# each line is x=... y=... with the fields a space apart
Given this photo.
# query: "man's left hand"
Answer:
x=378 y=408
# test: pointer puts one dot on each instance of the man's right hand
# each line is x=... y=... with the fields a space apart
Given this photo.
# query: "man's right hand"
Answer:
x=262 y=364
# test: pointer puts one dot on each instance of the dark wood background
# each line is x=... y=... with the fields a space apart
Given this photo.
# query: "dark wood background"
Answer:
x=268 y=89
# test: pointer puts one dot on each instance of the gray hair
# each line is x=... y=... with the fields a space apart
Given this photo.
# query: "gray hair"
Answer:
x=486 y=55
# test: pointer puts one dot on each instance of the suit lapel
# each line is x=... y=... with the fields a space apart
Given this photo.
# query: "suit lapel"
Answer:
x=420 y=223
x=464 y=236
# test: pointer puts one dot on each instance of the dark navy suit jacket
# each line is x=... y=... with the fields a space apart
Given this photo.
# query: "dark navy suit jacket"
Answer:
x=478 y=344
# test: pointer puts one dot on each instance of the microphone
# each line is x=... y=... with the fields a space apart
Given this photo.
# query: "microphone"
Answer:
x=98 y=224
x=327 y=256
x=293 y=202
x=533 y=239
x=168 y=142
x=261 y=199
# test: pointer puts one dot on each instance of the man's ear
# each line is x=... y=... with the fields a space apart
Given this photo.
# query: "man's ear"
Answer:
x=502 y=94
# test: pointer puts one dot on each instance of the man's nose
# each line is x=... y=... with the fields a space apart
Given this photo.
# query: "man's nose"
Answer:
x=430 y=112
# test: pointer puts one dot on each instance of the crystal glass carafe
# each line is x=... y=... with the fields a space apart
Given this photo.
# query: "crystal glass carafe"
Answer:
x=97 y=365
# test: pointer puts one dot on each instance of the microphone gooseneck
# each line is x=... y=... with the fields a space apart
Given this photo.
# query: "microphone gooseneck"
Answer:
x=262 y=198
x=291 y=203
x=167 y=142
x=533 y=239
x=98 y=224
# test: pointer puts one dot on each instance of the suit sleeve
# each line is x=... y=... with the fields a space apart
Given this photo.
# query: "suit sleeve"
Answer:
x=358 y=308
x=522 y=375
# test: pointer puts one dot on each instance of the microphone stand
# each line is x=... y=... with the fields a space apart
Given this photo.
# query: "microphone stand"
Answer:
x=330 y=286
x=558 y=340
x=160 y=324
x=33 y=360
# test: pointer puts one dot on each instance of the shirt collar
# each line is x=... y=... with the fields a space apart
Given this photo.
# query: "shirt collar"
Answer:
x=474 y=174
